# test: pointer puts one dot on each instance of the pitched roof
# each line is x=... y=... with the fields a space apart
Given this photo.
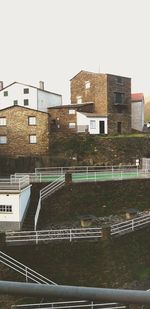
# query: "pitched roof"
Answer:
x=136 y=97
x=29 y=86
x=23 y=107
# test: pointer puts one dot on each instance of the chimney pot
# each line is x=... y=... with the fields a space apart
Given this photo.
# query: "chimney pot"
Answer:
x=41 y=85
x=1 y=85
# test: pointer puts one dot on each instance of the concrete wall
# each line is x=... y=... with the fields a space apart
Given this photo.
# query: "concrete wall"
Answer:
x=137 y=115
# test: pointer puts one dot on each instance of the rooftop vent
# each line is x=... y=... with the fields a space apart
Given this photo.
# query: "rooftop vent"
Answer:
x=1 y=85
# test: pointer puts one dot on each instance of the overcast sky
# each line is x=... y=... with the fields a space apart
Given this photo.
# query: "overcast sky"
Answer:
x=52 y=40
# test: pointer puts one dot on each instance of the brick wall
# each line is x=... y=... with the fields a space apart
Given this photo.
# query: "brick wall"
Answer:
x=18 y=130
x=119 y=112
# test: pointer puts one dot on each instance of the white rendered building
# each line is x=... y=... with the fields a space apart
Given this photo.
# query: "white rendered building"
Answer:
x=28 y=96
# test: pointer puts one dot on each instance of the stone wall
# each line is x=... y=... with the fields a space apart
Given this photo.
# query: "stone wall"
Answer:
x=18 y=131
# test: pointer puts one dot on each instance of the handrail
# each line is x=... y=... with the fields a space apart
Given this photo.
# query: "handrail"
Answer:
x=23 y=269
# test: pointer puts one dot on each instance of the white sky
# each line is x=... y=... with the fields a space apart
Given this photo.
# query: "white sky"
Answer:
x=52 y=40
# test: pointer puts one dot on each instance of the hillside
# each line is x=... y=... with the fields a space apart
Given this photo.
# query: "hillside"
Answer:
x=118 y=263
x=147 y=109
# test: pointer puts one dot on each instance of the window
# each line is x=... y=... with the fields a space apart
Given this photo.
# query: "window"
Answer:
x=26 y=90
x=32 y=139
x=119 y=98
x=2 y=121
x=72 y=111
x=3 y=139
x=87 y=85
x=5 y=93
x=92 y=124
x=32 y=120
x=15 y=102
x=72 y=125
x=26 y=102
x=5 y=208
x=79 y=99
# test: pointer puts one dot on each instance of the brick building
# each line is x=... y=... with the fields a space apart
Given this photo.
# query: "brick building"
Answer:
x=64 y=118
x=111 y=97
x=23 y=131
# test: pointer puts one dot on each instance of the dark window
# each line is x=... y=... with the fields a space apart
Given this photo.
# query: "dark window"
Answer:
x=5 y=93
x=26 y=90
x=26 y=102
x=15 y=102
x=119 y=98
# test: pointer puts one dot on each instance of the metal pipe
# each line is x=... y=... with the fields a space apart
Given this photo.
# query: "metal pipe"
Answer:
x=75 y=292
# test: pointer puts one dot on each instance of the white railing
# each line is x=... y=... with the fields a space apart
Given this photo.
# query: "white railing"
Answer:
x=50 y=235
x=130 y=225
x=47 y=191
x=24 y=270
x=14 y=183
x=40 y=236
x=71 y=305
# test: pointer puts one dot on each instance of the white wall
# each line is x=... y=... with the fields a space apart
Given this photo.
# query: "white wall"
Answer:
x=137 y=115
x=24 y=199
x=46 y=99
x=10 y=199
x=83 y=120
x=18 y=201
x=15 y=92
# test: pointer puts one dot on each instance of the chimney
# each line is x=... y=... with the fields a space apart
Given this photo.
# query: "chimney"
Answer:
x=41 y=85
x=1 y=85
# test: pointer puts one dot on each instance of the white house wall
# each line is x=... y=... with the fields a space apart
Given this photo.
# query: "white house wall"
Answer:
x=24 y=200
x=11 y=200
x=83 y=120
x=137 y=115
x=16 y=92
x=46 y=99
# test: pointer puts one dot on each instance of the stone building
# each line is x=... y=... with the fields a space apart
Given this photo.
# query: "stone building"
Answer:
x=111 y=98
x=24 y=132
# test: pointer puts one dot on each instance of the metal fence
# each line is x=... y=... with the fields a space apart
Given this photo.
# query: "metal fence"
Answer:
x=41 y=236
x=28 y=273
x=45 y=192
x=71 y=305
x=13 y=183
x=50 y=235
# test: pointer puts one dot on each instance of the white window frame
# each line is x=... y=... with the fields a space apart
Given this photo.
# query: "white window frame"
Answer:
x=6 y=208
x=79 y=99
x=72 y=125
x=2 y=121
x=72 y=111
x=87 y=84
x=32 y=139
x=92 y=124
x=31 y=120
x=3 y=139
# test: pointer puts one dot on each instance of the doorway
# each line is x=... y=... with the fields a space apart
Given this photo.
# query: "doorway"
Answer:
x=101 y=127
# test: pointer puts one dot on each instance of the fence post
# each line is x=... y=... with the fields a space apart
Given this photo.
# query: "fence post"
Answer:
x=26 y=271
x=106 y=232
x=68 y=178
x=132 y=225
x=95 y=176
x=36 y=237
x=70 y=235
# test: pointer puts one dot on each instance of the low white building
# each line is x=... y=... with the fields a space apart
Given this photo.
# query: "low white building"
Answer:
x=14 y=201
x=92 y=123
x=137 y=111
x=28 y=96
